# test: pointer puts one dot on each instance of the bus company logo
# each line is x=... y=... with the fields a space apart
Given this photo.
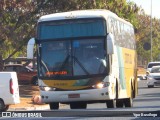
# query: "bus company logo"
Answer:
x=6 y=114
x=60 y=84
x=20 y=114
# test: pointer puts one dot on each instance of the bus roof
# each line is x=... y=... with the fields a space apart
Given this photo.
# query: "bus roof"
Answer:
x=80 y=14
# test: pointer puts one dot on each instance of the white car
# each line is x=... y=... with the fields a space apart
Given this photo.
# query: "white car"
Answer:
x=9 y=90
x=151 y=64
x=153 y=79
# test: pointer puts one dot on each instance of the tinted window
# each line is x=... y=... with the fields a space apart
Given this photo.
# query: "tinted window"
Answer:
x=8 y=68
x=153 y=64
x=155 y=70
x=73 y=58
x=72 y=28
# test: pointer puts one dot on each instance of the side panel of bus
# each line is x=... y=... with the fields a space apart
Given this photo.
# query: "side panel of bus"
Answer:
x=125 y=54
x=127 y=69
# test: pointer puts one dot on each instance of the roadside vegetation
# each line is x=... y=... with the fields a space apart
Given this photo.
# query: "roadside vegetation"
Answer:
x=18 y=20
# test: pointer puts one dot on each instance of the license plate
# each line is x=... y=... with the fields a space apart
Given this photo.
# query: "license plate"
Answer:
x=74 y=96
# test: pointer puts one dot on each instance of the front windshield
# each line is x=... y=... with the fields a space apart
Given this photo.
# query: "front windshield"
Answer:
x=153 y=64
x=73 y=57
x=89 y=57
x=155 y=70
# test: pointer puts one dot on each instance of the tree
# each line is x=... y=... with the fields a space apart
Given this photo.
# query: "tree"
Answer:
x=144 y=35
x=18 y=18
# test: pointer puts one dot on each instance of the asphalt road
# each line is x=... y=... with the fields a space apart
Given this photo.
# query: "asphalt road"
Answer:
x=148 y=99
x=147 y=103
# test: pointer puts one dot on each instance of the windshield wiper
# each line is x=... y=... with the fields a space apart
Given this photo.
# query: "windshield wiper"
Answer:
x=80 y=64
x=64 y=63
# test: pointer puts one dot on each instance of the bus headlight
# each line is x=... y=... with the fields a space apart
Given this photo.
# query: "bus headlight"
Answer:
x=101 y=85
x=47 y=88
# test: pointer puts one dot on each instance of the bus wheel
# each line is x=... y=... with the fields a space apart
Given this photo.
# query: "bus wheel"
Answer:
x=54 y=105
x=128 y=102
x=111 y=103
x=119 y=103
x=78 y=105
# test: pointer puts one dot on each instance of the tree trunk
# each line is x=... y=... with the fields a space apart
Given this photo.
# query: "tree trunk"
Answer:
x=1 y=63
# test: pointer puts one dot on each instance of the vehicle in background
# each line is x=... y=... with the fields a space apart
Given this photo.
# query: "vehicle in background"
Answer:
x=142 y=77
x=153 y=79
x=25 y=74
x=150 y=65
x=9 y=90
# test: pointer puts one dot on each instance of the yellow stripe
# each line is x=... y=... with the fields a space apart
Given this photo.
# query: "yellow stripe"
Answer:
x=63 y=84
x=129 y=67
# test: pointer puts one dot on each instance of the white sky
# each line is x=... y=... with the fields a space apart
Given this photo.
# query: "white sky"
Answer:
x=146 y=5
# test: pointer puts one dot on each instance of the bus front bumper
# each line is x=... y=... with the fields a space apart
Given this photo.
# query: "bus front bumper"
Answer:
x=79 y=95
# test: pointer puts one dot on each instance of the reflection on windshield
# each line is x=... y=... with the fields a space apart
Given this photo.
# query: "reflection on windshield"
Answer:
x=73 y=58
x=92 y=54
x=155 y=70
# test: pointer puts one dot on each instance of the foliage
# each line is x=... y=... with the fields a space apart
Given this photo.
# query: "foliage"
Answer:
x=14 y=25
x=18 y=21
x=144 y=35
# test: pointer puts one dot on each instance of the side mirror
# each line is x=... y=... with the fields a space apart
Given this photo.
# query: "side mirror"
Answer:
x=110 y=44
x=30 y=48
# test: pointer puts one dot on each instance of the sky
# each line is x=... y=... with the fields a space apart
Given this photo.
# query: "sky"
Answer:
x=146 y=5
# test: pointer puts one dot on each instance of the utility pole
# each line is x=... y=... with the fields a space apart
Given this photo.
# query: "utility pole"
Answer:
x=151 y=32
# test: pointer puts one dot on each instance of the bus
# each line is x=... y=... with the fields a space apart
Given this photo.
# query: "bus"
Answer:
x=83 y=57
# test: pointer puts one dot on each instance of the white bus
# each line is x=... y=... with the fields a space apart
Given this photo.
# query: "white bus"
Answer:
x=85 y=56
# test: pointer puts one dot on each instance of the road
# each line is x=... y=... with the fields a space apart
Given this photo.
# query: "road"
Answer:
x=147 y=99
x=146 y=103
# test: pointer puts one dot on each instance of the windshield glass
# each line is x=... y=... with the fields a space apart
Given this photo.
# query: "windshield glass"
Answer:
x=89 y=57
x=73 y=57
x=55 y=58
x=153 y=64
x=72 y=47
x=155 y=70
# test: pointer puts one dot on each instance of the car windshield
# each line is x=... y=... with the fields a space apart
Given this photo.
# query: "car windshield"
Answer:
x=155 y=70
x=153 y=64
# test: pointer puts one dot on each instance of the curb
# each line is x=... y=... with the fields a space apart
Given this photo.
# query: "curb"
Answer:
x=44 y=107
x=40 y=107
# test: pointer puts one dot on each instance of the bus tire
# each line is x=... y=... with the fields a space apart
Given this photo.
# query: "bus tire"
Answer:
x=134 y=91
x=119 y=103
x=78 y=105
x=111 y=103
x=54 y=105
x=128 y=102
x=116 y=89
